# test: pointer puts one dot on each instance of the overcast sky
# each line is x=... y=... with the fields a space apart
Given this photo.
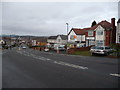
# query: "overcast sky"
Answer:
x=50 y=18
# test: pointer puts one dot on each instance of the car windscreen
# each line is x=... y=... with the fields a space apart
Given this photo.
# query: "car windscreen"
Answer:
x=107 y=48
x=93 y=47
x=101 y=48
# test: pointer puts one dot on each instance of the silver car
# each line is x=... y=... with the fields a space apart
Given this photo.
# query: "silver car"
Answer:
x=23 y=47
x=104 y=50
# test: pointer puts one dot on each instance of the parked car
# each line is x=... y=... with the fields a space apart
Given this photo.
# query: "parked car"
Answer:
x=23 y=47
x=46 y=49
x=59 y=48
x=104 y=50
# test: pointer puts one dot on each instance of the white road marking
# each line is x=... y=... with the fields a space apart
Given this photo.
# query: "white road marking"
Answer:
x=33 y=55
x=56 y=62
x=23 y=51
x=26 y=54
x=48 y=59
x=41 y=59
x=3 y=52
x=117 y=75
x=19 y=52
x=70 y=65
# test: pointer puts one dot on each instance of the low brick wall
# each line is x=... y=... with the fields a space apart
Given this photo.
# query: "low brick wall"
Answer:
x=72 y=50
x=38 y=48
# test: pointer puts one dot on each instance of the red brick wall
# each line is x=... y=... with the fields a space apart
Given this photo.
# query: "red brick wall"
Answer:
x=94 y=33
x=72 y=50
x=113 y=31
x=107 y=38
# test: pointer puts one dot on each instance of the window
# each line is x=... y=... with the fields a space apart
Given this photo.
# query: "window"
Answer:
x=90 y=33
x=91 y=42
x=71 y=37
x=101 y=48
x=99 y=42
x=59 y=40
x=93 y=47
x=119 y=39
x=99 y=32
x=107 y=48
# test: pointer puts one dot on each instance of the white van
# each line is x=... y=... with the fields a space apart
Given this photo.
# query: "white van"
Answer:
x=59 y=47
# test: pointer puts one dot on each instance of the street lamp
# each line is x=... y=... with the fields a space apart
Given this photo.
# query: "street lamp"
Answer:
x=67 y=27
x=67 y=36
x=10 y=42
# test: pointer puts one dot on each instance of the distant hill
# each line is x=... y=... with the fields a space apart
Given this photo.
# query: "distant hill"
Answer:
x=22 y=36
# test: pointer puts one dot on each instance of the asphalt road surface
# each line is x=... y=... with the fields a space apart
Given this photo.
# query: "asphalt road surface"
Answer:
x=27 y=68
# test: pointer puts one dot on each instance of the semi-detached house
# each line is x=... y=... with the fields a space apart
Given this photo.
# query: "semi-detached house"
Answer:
x=118 y=32
x=101 y=34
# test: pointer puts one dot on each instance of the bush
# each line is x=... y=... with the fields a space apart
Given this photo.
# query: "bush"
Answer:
x=116 y=48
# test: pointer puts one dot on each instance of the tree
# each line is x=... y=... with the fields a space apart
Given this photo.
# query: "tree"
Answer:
x=93 y=23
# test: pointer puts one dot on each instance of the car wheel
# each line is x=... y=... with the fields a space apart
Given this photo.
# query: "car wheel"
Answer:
x=92 y=54
x=107 y=54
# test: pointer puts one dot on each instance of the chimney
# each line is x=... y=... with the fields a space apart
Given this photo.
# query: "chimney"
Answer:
x=113 y=22
x=113 y=31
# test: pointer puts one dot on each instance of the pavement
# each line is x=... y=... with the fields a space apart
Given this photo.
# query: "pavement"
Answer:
x=27 y=68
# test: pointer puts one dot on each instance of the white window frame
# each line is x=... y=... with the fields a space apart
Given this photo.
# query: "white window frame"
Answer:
x=72 y=37
x=90 y=33
x=59 y=40
x=119 y=38
x=100 y=32
x=99 y=42
x=91 y=42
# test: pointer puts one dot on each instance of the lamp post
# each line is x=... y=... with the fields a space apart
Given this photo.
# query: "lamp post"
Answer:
x=67 y=37
x=10 y=42
x=67 y=27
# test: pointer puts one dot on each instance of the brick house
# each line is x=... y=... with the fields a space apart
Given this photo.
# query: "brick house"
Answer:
x=118 y=32
x=101 y=34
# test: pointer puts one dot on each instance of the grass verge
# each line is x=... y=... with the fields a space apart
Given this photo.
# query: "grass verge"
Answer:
x=83 y=53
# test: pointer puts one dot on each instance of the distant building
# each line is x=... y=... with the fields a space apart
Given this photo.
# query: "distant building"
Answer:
x=59 y=40
x=34 y=42
x=118 y=32
x=52 y=39
x=39 y=41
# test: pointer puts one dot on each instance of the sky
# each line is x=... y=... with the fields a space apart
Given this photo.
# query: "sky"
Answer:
x=50 y=18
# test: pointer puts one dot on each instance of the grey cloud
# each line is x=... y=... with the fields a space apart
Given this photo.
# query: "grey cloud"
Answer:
x=50 y=18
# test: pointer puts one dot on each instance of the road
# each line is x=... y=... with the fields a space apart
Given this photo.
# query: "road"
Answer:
x=37 y=69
